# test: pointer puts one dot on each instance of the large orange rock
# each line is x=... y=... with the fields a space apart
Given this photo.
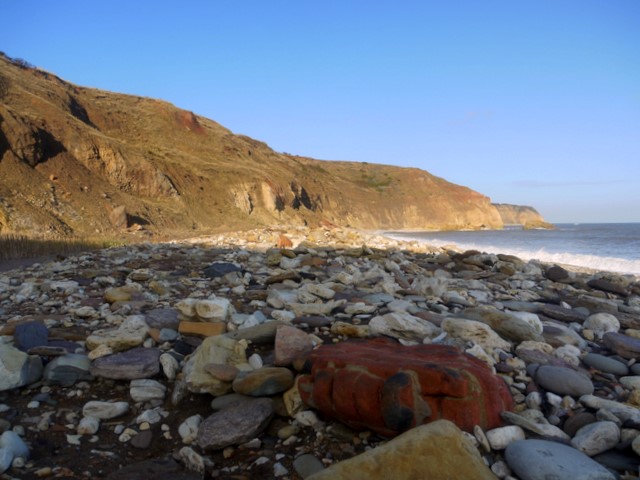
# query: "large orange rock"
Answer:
x=389 y=388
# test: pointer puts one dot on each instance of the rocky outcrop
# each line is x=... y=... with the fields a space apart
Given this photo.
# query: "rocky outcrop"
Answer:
x=69 y=154
x=526 y=216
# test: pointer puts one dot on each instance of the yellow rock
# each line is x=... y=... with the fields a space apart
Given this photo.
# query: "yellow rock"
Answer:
x=217 y=349
x=436 y=451
x=202 y=329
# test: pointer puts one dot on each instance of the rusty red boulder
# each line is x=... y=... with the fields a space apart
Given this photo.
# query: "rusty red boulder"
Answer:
x=389 y=388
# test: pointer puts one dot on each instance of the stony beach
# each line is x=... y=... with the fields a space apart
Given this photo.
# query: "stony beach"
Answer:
x=316 y=353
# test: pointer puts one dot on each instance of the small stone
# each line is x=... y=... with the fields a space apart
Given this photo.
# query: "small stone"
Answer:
x=577 y=421
x=279 y=470
x=104 y=410
x=222 y=372
x=162 y=318
x=17 y=368
x=144 y=390
x=131 y=333
x=192 y=460
x=601 y=323
x=543 y=459
x=290 y=344
x=474 y=331
x=188 y=430
x=170 y=366
x=605 y=364
x=235 y=425
x=67 y=370
x=306 y=465
x=402 y=325
x=563 y=381
x=12 y=442
x=217 y=308
x=623 y=345
x=499 y=438
x=263 y=382
x=88 y=426
x=220 y=269
x=132 y=364
x=142 y=440
x=30 y=335
x=596 y=438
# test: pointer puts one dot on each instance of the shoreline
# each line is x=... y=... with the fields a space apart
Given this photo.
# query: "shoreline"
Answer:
x=264 y=238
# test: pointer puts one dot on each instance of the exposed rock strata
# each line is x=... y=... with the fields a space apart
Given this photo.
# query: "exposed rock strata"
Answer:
x=81 y=161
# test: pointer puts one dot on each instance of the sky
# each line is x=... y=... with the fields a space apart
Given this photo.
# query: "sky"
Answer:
x=528 y=102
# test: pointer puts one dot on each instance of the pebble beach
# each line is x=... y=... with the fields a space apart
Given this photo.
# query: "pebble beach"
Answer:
x=249 y=355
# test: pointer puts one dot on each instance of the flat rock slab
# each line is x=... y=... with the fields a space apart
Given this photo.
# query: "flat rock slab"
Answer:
x=543 y=460
x=130 y=365
x=389 y=388
x=236 y=424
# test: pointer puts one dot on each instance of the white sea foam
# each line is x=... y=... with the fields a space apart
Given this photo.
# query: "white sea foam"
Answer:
x=593 y=262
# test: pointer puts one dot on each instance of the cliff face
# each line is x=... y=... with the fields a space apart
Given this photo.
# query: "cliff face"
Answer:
x=82 y=161
x=528 y=217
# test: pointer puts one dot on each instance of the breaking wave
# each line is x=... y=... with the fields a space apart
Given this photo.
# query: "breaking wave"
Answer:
x=592 y=262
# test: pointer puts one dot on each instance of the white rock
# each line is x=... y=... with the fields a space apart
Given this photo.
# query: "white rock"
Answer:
x=131 y=333
x=403 y=326
x=187 y=307
x=149 y=416
x=596 y=438
x=88 y=426
x=531 y=318
x=499 y=438
x=14 y=443
x=430 y=286
x=306 y=418
x=283 y=315
x=145 y=389
x=321 y=291
x=188 y=430
x=533 y=400
x=73 y=439
x=623 y=412
x=631 y=382
x=474 y=331
x=255 y=360
x=568 y=353
x=279 y=470
x=601 y=323
x=12 y=362
x=104 y=410
x=192 y=460
x=6 y=457
x=170 y=366
x=213 y=309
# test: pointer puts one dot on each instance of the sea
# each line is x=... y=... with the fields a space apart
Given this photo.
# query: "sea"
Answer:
x=611 y=247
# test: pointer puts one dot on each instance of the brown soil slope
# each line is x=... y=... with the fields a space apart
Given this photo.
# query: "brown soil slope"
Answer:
x=82 y=161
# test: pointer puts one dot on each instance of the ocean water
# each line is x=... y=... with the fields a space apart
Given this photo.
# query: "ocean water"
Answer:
x=602 y=246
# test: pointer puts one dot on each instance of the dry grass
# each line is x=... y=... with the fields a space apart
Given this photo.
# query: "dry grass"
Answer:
x=15 y=246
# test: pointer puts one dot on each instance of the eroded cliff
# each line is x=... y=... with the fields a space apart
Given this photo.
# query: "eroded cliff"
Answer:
x=81 y=161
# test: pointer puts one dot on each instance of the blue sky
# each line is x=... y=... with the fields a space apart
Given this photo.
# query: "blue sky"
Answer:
x=529 y=102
